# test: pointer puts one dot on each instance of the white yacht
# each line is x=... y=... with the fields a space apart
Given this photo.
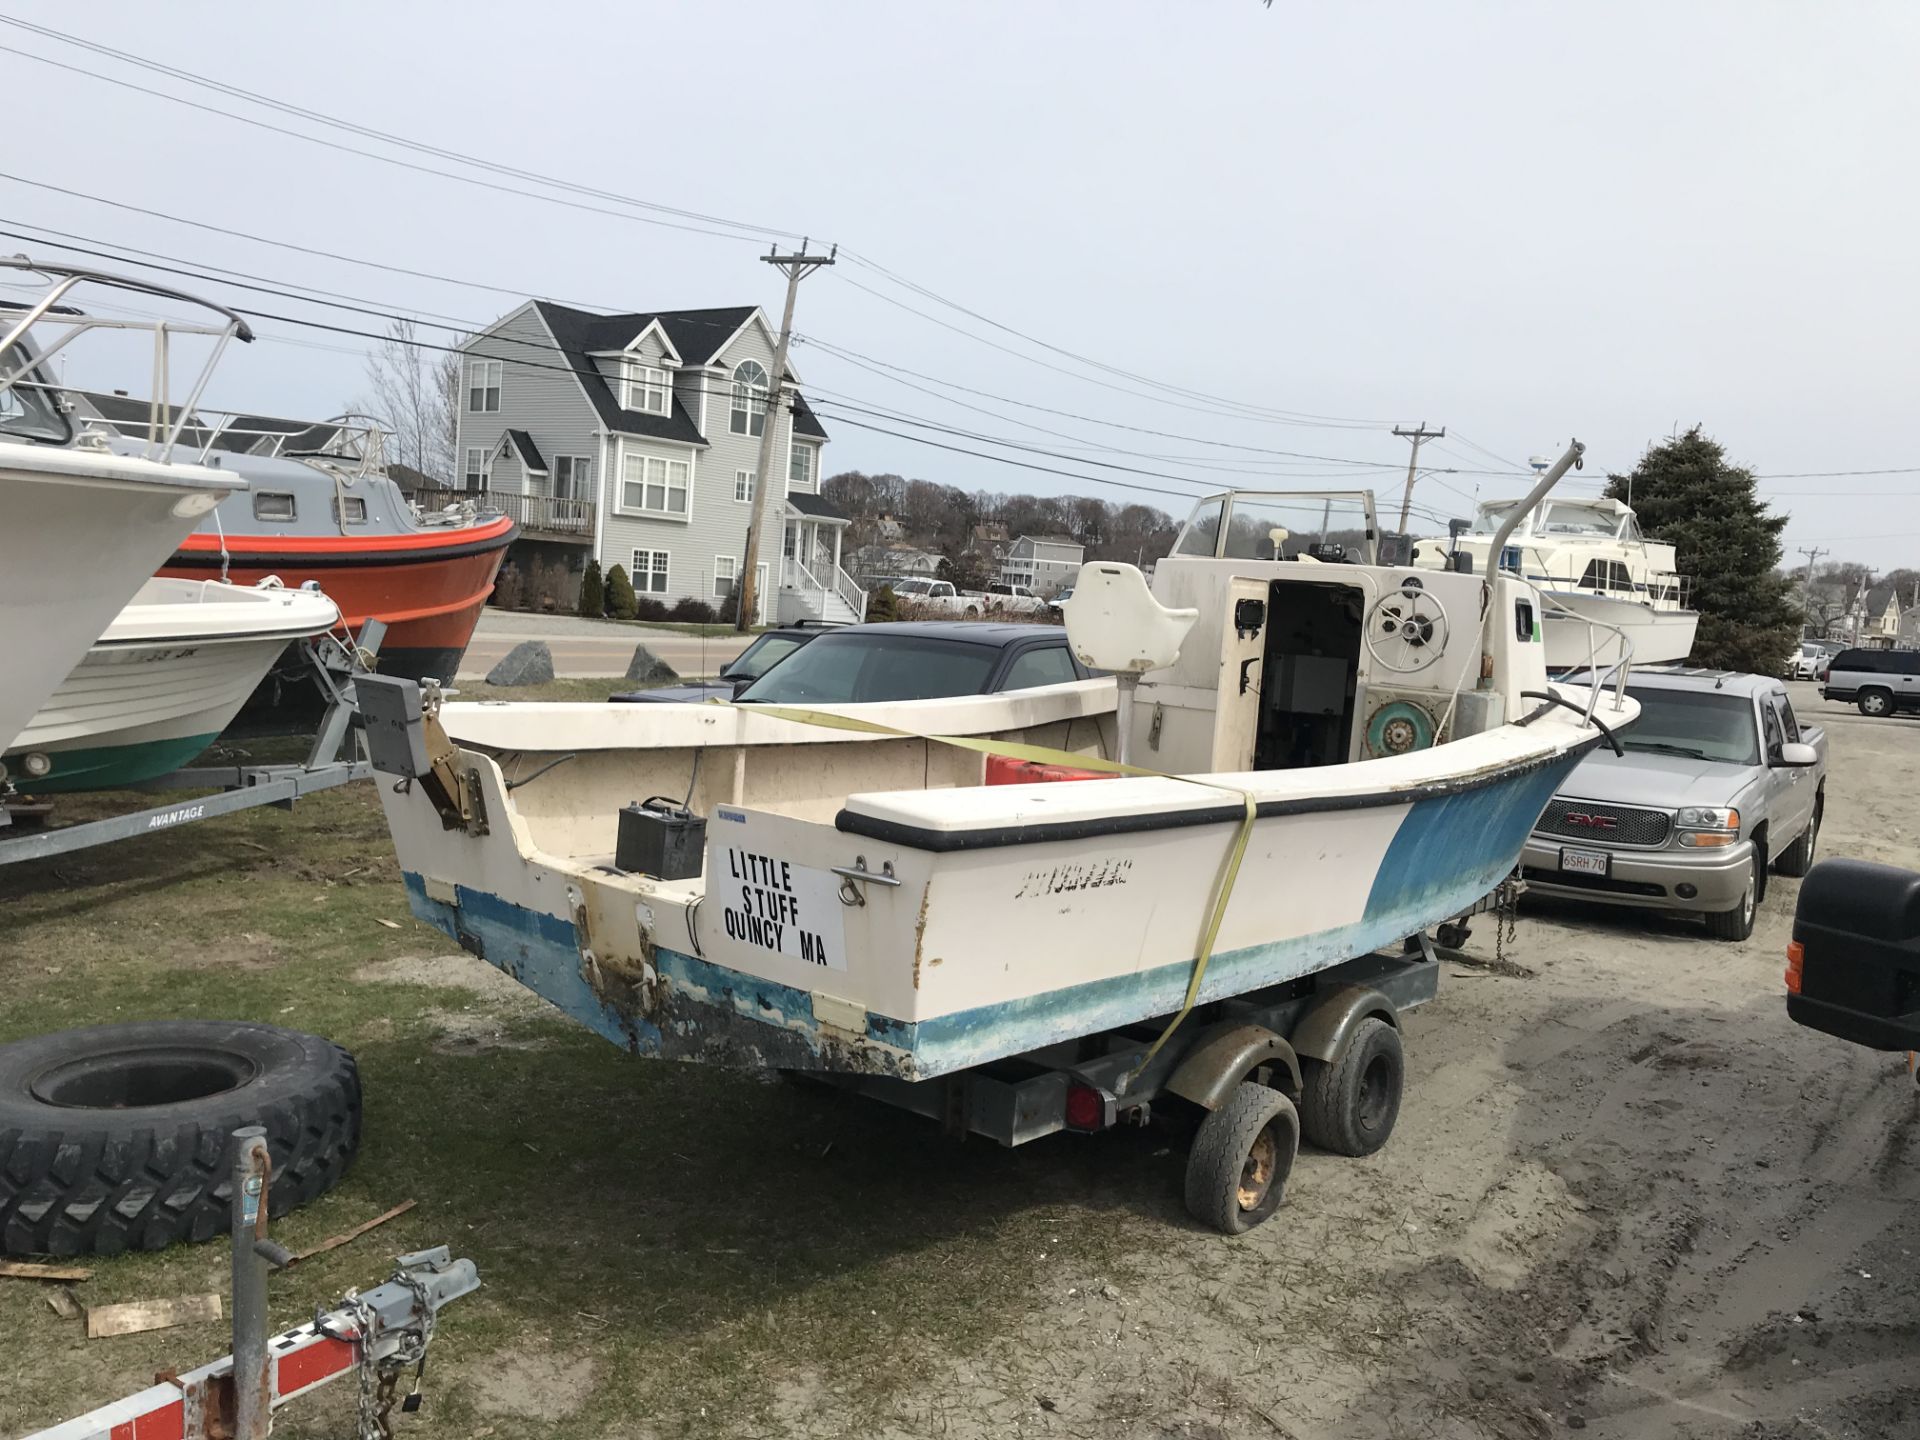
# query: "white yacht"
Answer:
x=1592 y=564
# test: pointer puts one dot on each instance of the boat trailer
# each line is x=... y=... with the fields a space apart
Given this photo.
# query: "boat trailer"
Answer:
x=376 y=1334
x=336 y=757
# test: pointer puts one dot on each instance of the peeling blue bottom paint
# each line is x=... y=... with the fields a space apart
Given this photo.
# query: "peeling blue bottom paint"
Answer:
x=1448 y=852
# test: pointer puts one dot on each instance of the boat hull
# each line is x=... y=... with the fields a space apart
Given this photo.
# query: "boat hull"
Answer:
x=82 y=531
x=1657 y=636
x=429 y=588
x=989 y=948
x=166 y=678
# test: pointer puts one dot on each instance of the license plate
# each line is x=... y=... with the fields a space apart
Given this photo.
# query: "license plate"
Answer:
x=1585 y=862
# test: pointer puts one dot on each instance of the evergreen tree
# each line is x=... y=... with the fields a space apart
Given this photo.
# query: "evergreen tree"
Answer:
x=593 y=592
x=1689 y=497
x=882 y=605
x=622 y=603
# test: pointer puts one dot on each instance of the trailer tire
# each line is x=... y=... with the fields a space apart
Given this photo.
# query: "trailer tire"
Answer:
x=1349 y=1104
x=120 y=1137
x=1238 y=1167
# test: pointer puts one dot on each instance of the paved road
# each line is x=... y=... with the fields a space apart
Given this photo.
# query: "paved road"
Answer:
x=588 y=648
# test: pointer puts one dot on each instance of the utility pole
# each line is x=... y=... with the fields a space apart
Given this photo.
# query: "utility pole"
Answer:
x=796 y=268
x=1418 y=435
x=1806 y=585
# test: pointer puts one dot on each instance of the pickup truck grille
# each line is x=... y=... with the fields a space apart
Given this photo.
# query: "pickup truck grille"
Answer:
x=1604 y=824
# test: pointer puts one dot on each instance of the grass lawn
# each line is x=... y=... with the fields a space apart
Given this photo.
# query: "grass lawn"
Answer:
x=666 y=1249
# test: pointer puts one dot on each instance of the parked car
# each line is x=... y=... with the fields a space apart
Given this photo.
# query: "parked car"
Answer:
x=1810 y=659
x=918 y=660
x=1057 y=607
x=1853 y=968
x=1718 y=781
x=1009 y=600
x=1880 y=682
x=937 y=597
x=768 y=649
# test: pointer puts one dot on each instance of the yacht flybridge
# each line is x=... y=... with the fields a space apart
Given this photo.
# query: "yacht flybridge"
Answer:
x=1591 y=561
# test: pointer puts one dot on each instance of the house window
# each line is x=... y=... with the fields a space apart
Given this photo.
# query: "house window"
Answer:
x=650 y=572
x=272 y=505
x=483 y=386
x=572 y=477
x=725 y=570
x=478 y=462
x=653 y=485
x=647 y=390
x=749 y=399
x=800 y=468
x=743 y=486
x=350 y=510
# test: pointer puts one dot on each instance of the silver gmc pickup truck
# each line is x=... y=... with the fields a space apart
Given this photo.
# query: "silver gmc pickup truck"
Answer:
x=1718 y=782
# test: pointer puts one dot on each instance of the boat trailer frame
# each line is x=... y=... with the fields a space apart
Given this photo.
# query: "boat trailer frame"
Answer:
x=336 y=757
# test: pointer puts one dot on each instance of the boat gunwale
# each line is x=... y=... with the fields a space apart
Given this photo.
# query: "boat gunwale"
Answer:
x=1047 y=832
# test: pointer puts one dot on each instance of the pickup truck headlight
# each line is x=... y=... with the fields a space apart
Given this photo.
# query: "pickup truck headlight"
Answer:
x=1707 y=827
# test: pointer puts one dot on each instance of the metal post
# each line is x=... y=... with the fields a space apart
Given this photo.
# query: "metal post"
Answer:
x=252 y=1393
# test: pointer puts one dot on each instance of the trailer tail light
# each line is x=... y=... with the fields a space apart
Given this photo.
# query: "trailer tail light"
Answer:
x=1088 y=1108
x=1796 y=962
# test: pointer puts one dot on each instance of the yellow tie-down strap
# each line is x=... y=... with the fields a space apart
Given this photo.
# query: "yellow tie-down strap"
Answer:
x=1047 y=755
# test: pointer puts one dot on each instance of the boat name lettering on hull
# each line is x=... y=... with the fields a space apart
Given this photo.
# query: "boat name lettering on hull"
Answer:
x=1074 y=875
x=784 y=908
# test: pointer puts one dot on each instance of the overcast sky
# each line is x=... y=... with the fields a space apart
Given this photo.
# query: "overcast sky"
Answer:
x=1522 y=222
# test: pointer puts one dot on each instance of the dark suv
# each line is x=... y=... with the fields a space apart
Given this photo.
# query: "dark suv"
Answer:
x=1878 y=681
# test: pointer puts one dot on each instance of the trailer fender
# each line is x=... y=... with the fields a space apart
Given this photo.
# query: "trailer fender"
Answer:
x=1323 y=1032
x=1220 y=1058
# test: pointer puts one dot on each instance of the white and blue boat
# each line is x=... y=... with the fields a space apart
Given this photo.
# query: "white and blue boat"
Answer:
x=870 y=902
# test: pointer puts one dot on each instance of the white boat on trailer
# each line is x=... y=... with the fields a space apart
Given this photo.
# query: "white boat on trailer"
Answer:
x=1347 y=755
x=159 y=686
x=82 y=527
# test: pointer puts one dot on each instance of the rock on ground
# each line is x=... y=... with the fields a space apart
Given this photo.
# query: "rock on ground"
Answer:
x=649 y=669
x=528 y=663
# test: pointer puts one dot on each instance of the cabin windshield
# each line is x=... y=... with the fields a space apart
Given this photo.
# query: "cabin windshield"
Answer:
x=1270 y=525
x=1488 y=519
x=27 y=410
x=1564 y=518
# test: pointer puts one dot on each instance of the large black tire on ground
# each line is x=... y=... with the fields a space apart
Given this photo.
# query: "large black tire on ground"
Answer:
x=120 y=1137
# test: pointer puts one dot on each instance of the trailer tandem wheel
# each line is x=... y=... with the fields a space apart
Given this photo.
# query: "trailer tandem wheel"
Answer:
x=1349 y=1104
x=1241 y=1157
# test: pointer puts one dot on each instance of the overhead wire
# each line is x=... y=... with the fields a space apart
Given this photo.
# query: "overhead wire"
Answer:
x=1238 y=408
x=372 y=154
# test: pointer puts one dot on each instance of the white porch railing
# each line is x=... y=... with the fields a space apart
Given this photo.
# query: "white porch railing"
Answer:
x=796 y=576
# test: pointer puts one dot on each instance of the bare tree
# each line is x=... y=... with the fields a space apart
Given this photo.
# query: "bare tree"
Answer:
x=416 y=390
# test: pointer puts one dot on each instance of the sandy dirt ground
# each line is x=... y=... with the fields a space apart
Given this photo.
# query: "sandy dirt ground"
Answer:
x=1626 y=1197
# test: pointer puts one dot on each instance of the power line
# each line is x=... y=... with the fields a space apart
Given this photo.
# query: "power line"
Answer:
x=368 y=154
x=1222 y=414
x=1240 y=409
x=461 y=326
x=855 y=357
x=519 y=292
x=1288 y=416
x=420 y=147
